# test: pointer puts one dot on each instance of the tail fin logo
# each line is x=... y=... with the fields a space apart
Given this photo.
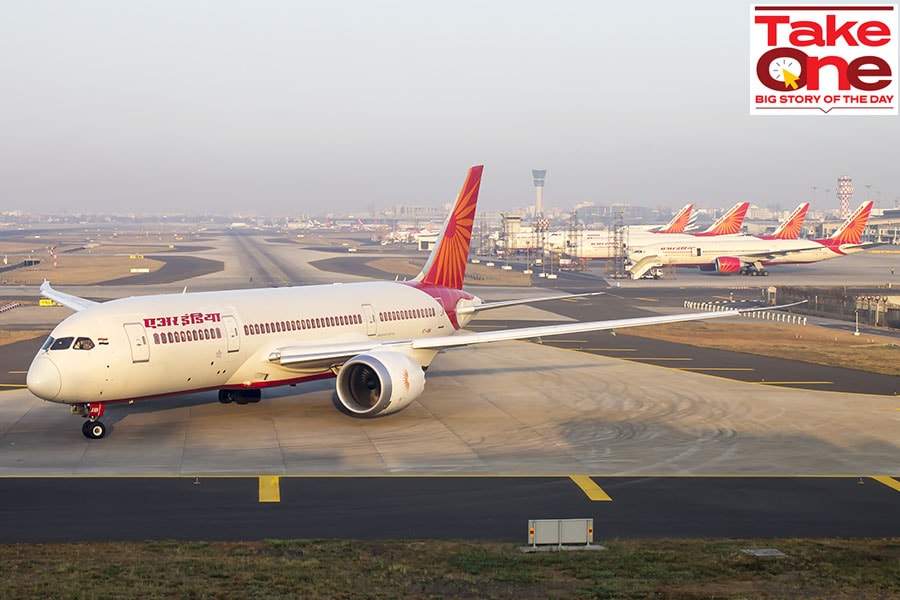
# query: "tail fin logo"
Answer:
x=679 y=222
x=790 y=229
x=850 y=232
x=446 y=266
x=731 y=222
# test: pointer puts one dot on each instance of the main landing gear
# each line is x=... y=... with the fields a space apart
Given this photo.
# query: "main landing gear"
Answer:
x=239 y=396
x=93 y=428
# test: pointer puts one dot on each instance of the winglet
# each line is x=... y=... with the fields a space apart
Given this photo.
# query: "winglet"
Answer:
x=851 y=230
x=791 y=227
x=446 y=266
x=679 y=221
x=729 y=223
x=67 y=300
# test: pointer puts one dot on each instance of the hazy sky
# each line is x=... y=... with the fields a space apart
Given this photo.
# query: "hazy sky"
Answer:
x=289 y=107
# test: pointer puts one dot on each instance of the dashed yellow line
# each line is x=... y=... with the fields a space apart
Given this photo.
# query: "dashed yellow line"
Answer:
x=792 y=382
x=591 y=489
x=269 y=489
x=716 y=369
x=610 y=349
x=888 y=481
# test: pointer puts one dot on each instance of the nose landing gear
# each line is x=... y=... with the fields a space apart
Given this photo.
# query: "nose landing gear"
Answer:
x=93 y=428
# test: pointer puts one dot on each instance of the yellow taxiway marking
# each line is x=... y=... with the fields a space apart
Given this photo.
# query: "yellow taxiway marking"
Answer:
x=269 y=489
x=648 y=299
x=888 y=481
x=792 y=382
x=591 y=489
x=716 y=369
x=566 y=341
x=12 y=385
x=611 y=349
x=18 y=372
x=655 y=358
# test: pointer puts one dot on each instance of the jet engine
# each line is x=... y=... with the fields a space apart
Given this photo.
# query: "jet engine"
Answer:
x=728 y=264
x=380 y=383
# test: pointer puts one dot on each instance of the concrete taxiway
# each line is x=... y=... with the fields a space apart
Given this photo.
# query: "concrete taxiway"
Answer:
x=502 y=409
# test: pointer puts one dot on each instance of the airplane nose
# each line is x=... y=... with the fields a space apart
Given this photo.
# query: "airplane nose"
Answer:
x=43 y=378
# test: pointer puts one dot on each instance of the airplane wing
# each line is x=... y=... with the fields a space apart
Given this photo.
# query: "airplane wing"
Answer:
x=465 y=310
x=67 y=300
x=317 y=356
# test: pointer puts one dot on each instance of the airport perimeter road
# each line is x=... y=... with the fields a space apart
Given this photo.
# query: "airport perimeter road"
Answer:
x=447 y=508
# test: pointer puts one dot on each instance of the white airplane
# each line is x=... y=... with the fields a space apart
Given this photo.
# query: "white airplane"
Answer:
x=375 y=338
x=747 y=254
x=602 y=244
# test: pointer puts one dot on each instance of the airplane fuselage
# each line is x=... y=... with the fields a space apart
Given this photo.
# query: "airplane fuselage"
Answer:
x=688 y=252
x=153 y=346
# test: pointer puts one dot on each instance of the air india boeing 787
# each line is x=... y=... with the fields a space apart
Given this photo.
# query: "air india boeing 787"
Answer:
x=375 y=338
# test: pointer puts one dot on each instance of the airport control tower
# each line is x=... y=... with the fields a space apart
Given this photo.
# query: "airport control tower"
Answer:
x=845 y=194
x=539 y=175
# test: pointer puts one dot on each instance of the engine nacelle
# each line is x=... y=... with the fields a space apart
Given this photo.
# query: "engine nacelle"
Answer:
x=380 y=383
x=728 y=264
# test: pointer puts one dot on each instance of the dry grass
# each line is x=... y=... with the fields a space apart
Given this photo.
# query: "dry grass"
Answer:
x=11 y=337
x=78 y=269
x=808 y=343
x=663 y=569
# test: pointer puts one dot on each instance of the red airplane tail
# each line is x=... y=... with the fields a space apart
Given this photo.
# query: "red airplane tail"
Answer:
x=729 y=223
x=446 y=266
x=678 y=222
x=791 y=227
x=851 y=230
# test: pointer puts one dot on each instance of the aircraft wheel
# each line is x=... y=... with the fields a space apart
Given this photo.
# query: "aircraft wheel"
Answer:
x=93 y=430
x=254 y=395
x=226 y=396
x=765 y=273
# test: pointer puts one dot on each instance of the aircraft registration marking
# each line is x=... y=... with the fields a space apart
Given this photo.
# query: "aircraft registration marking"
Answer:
x=269 y=489
x=888 y=481
x=591 y=489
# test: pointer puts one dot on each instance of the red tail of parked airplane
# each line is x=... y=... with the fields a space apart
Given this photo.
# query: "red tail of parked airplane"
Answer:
x=729 y=223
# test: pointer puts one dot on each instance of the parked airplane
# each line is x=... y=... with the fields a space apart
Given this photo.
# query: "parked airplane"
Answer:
x=602 y=244
x=375 y=338
x=790 y=228
x=728 y=224
x=746 y=254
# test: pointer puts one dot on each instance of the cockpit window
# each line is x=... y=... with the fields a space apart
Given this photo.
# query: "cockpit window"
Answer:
x=62 y=343
x=48 y=343
x=83 y=343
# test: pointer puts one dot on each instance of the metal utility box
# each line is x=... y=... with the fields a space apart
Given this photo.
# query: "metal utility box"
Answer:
x=560 y=532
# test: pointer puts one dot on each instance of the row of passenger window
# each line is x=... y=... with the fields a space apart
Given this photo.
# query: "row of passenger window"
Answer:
x=412 y=313
x=188 y=335
x=301 y=324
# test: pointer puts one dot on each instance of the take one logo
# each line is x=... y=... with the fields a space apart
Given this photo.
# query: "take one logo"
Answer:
x=819 y=60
